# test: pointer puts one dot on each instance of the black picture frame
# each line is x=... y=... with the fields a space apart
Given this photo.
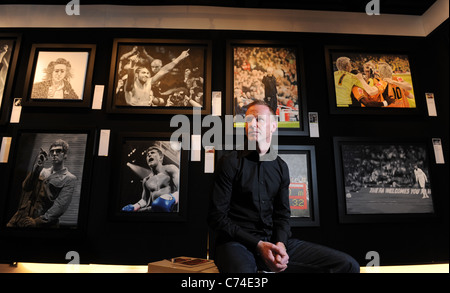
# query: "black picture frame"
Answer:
x=26 y=146
x=167 y=92
x=77 y=89
x=376 y=180
x=403 y=69
x=8 y=62
x=132 y=171
x=293 y=109
x=303 y=195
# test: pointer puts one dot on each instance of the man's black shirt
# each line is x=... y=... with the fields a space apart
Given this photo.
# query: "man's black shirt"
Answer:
x=250 y=199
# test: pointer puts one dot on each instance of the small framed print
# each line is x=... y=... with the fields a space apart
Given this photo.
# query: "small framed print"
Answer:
x=151 y=178
x=150 y=76
x=60 y=75
x=370 y=82
x=50 y=182
x=383 y=180
x=269 y=71
x=303 y=189
x=9 y=52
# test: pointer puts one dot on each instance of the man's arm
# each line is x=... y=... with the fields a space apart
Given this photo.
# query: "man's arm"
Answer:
x=141 y=203
x=399 y=82
x=275 y=255
x=30 y=181
x=371 y=90
x=219 y=206
x=368 y=103
x=61 y=203
x=282 y=209
x=169 y=66
x=173 y=172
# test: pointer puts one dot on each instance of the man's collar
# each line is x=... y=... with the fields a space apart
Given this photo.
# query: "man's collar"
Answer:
x=253 y=155
x=61 y=171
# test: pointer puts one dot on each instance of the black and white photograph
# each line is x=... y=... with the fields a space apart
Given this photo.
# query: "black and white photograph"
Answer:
x=60 y=75
x=303 y=186
x=150 y=177
x=6 y=46
x=384 y=178
x=159 y=77
x=47 y=184
x=9 y=47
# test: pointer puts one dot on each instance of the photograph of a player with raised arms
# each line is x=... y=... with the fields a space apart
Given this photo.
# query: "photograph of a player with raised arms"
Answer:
x=372 y=80
x=159 y=75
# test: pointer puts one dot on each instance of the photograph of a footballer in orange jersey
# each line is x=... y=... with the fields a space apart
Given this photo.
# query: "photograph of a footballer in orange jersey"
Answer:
x=372 y=80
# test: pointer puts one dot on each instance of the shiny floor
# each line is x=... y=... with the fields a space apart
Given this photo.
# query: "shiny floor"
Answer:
x=98 y=268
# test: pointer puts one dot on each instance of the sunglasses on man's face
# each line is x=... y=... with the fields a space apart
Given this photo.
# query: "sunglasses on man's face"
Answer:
x=55 y=151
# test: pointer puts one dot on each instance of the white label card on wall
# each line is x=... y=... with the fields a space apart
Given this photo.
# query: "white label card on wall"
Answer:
x=196 y=147
x=103 y=147
x=4 y=150
x=430 y=104
x=216 y=103
x=98 y=97
x=16 y=111
x=209 y=159
x=438 y=154
x=313 y=124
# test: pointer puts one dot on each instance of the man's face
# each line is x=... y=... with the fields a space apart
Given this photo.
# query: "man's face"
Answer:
x=156 y=66
x=153 y=157
x=259 y=125
x=57 y=155
x=59 y=72
x=367 y=68
x=143 y=75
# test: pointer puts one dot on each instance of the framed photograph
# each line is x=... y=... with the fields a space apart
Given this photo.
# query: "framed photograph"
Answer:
x=383 y=180
x=50 y=180
x=9 y=51
x=370 y=82
x=268 y=71
x=151 y=178
x=60 y=75
x=303 y=192
x=160 y=76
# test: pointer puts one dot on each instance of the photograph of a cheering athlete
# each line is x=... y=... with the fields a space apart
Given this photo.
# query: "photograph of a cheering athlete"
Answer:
x=160 y=185
x=46 y=192
x=249 y=210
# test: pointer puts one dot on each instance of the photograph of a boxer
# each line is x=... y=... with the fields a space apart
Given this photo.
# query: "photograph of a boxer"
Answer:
x=150 y=177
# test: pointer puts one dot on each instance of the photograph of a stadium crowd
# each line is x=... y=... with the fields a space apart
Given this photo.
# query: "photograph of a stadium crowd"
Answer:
x=384 y=178
x=269 y=74
x=363 y=80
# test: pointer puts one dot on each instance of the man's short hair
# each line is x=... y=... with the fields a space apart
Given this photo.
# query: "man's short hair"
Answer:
x=385 y=70
x=61 y=143
x=262 y=103
x=342 y=63
x=154 y=147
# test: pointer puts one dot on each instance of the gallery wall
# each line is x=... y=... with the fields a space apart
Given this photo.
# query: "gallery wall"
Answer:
x=105 y=237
